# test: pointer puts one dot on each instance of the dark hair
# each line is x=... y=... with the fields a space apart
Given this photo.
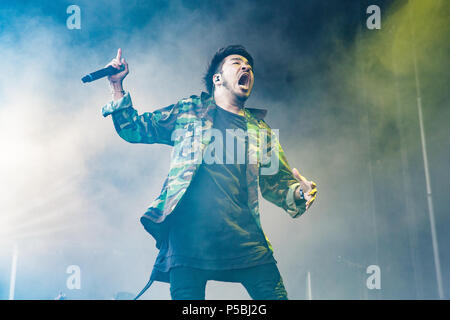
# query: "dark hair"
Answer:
x=216 y=63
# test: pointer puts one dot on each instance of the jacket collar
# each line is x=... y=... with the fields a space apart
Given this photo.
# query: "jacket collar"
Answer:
x=209 y=106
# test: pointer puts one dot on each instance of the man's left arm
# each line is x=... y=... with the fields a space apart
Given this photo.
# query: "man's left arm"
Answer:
x=286 y=188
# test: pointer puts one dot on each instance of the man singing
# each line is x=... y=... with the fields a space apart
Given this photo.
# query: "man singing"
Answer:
x=206 y=219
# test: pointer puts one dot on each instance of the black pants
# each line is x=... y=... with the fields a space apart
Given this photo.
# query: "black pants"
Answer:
x=262 y=282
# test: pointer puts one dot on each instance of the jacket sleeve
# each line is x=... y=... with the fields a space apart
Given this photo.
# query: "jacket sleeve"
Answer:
x=279 y=187
x=149 y=127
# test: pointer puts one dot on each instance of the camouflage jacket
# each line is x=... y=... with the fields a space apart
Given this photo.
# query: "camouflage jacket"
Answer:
x=186 y=126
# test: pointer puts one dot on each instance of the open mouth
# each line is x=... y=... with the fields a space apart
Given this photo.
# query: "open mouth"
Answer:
x=244 y=81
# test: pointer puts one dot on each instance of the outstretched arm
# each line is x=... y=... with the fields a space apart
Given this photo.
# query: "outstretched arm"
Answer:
x=149 y=127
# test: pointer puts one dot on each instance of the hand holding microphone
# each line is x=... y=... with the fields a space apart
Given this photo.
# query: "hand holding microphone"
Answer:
x=116 y=70
x=120 y=64
x=115 y=80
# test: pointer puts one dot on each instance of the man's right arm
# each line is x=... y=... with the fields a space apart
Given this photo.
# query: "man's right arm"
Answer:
x=149 y=127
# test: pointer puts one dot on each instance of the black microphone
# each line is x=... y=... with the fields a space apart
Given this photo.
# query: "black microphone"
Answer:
x=108 y=71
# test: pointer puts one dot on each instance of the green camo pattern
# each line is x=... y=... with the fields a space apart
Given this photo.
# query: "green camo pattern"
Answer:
x=185 y=126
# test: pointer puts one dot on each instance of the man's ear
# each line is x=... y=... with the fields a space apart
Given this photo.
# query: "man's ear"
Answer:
x=217 y=79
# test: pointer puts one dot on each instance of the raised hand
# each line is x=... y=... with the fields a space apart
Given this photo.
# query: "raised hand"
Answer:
x=119 y=63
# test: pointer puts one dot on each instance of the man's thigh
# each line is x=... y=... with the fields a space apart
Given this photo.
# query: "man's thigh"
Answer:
x=187 y=283
x=264 y=282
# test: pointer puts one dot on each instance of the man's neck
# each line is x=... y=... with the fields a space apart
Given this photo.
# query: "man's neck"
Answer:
x=229 y=102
